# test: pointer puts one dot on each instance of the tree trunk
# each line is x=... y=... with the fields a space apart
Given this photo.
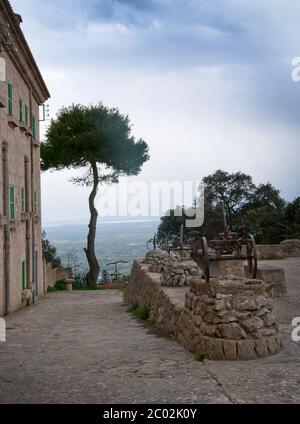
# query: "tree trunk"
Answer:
x=93 y=274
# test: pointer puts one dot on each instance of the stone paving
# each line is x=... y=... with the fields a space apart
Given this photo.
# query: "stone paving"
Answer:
x=83 y=347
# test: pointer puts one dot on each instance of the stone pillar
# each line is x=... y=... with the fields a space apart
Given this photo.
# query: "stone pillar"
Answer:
x=69 y=284
x=229 y=319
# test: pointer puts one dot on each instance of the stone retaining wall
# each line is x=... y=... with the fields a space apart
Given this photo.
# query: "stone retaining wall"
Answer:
x=224 y=319
x=270 y=251
x=145 y=290
x=291 y=248
x=287 y=248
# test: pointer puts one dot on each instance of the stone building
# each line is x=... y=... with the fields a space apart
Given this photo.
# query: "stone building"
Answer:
x=22 y=94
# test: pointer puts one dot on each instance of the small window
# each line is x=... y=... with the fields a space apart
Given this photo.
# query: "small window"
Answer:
x=22 y=199
x=26 y=115
x=12 y=202
x=35 y=203
x=23 y=275
x=10 y=98
x=21 y=110
x=33 y=127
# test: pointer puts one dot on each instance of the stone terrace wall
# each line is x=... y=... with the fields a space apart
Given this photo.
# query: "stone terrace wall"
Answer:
x=287 y=248
x=52 y=275
x=270 y=251
x=145 y=289
x=227 y=319
x=291 y=248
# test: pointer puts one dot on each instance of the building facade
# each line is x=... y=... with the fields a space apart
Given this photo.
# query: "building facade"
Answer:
x=22 y=95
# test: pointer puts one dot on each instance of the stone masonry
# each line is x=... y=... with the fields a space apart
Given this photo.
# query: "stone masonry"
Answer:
x=229 y=318
x=175 y=273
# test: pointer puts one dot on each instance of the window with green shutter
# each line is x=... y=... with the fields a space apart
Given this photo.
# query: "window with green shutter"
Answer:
x=23 y=275
x=12 y=202
x=21 y=110
x=22 y=199
x=33 y=127
x=10 y=98
x=26 y=115
x=35 y=203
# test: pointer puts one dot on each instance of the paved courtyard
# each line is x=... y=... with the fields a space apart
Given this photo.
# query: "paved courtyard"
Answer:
x=83 y=347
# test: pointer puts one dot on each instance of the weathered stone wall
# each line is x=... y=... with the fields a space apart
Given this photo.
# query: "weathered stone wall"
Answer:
x=287 y=248
x=229 y=319
x=291 y=248
x=270 y=251
x=224 y=319
x=52 y=275
x=175 y=273
x=145 y=290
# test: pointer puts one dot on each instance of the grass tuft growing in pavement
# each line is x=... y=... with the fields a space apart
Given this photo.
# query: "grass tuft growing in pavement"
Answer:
x=199 y=357
x=137 y=311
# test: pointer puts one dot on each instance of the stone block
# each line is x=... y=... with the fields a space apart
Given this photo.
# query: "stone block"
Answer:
x=246 y=349
x=232 y=331
x=252 y=324
x=230 y=350
x=214 y=348
x=261 y=347
x=274 y=277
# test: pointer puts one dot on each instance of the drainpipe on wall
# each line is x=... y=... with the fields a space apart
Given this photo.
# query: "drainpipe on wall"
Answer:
x=34 y=282
x=28 y=222
x=6 y=229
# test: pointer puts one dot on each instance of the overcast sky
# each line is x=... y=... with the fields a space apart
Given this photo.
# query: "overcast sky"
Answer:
x=206 y=83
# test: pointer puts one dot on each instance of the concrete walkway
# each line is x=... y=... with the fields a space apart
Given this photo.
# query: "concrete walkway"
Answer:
x=83 y=347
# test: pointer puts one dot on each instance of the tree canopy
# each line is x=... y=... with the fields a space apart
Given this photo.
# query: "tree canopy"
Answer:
x=263 y=210
x=83 y=135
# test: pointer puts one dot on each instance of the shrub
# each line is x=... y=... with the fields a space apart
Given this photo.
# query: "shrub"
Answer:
x=60 y=285
x=50 y=289
x=199 y=357
x=137 y=311
x=82 y=287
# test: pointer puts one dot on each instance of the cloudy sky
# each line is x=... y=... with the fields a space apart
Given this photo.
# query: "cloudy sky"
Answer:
x=207 y=83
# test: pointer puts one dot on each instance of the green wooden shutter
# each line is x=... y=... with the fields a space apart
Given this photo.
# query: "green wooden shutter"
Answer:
x=12 y=202
x=10 y=98
x=26 y=115
x=21 y=110
x=35 y=202
x=23 y=275
x=33 y=127
x=23 y=199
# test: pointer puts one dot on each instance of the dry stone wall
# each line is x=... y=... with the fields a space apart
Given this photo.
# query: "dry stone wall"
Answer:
x=291 y=248
x=174 y=272
x=229 y=319
x=225 y=319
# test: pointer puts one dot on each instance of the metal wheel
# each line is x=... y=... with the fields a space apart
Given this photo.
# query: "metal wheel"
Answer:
x=252 y=256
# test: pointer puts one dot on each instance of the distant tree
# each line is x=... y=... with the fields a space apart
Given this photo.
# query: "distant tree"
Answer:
x=49 y=252
x=99 y=139
x=234 y=190
x=261 y=207
x=291 y=227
